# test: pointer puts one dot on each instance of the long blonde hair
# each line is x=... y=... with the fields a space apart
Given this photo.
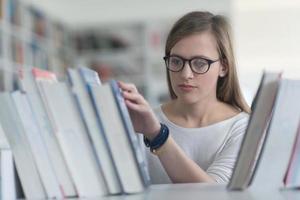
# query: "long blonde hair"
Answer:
x=228 y=88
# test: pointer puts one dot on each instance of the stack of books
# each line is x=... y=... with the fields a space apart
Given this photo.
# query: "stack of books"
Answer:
x=72 y=139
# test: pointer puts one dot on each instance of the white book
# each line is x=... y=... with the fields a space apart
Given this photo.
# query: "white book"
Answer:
x=255 y=135
x=28 y=84
x=37 y=144
x=95 y=131
x=7 y=175
x=25 y=164
x=282 y=133
x=119 y=143
x=73 y=139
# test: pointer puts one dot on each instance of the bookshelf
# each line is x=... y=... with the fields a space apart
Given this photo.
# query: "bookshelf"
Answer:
x=128 y=52
x=29 y=38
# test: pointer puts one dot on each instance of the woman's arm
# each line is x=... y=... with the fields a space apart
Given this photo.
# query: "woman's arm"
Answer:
x=178 y=166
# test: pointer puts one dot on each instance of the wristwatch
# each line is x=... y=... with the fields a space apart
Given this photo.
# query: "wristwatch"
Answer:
x=159 y=140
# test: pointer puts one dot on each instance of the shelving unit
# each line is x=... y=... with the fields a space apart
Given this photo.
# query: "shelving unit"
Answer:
x=29 y=38
x=131 y=53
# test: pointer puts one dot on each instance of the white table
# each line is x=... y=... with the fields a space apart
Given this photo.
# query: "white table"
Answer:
x=207 y=192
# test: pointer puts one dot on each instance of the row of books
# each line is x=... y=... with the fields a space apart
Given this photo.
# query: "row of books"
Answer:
x=76 y=139
x=72 y=139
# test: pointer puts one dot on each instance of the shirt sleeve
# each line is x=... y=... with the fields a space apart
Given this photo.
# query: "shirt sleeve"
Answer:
x=222 y=166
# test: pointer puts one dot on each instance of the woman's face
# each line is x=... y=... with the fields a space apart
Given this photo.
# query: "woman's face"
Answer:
x=191 y=87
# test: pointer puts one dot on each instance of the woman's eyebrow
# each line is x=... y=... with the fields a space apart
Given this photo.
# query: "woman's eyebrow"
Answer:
x=194 y=56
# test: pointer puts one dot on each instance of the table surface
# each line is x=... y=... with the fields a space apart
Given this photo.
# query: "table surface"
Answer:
x=206 y=191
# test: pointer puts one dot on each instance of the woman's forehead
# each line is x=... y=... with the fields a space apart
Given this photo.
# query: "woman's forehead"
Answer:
x=196 y=44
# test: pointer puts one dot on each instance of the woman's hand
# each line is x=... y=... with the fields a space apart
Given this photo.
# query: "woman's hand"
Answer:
x=142 y=116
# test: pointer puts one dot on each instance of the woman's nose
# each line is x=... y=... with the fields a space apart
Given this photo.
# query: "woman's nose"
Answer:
x=187 y=72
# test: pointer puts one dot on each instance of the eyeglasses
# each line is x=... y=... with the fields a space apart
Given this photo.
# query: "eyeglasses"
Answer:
x=197 y=64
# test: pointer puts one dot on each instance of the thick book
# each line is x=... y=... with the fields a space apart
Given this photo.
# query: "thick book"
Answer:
x=37 y=146
x=94 y=129
x=73 y=139
x=11 y=123
x=124 y=152
x=256 y=132
x=282 y=133
x=28 y=83
x=292 y=177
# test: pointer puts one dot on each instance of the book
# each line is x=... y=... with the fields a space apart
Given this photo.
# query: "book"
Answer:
x=132 y=135
x=43 y=75
x=3 y=141
x=292 y=176
x=282 y=131
x=25 y=164
x=7 y=175
x=37 y=145
x=256 y=132
x=95 y=131
x=126 y=158
x=73 y=139
x=28 y=83
x=89 y=76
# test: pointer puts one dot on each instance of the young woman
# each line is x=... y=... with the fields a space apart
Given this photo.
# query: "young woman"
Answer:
x=195 y=137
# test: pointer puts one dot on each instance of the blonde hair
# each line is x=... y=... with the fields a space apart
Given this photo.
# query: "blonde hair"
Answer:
x=228 y=88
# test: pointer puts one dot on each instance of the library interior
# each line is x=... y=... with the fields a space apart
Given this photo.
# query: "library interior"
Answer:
x=68 y=68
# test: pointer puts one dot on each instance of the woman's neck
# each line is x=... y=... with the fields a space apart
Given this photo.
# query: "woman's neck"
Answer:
x=199 y=114
x=190 y=115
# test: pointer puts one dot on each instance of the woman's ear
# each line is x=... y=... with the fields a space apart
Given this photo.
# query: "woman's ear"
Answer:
x=223 y=69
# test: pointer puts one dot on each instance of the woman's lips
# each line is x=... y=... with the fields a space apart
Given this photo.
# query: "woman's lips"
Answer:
x=186 y=87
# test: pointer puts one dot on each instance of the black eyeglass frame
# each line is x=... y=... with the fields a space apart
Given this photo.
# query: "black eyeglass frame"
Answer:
x=209 y=62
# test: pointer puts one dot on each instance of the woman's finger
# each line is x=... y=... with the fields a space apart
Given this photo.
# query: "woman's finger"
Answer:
x=128 y=87
x=132 y=106
x=136 y=97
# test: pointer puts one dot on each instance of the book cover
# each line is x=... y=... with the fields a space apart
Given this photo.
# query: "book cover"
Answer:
x=28 y=84
x=256 y=132
x=119 y=143
x=281 y=134
x=37 y=146
x=25 y=164
x=132 y=135
x=73 y=140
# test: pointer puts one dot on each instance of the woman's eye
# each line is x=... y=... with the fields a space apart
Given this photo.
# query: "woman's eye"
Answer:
x=175 y=61
x=199 y=63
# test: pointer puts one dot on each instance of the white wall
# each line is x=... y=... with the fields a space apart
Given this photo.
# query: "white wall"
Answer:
x=267 y=36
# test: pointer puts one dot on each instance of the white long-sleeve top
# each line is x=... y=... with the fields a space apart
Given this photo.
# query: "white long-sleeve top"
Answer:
x=214 y=148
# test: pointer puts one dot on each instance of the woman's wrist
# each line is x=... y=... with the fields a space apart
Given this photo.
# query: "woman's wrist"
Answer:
x=153 y=133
